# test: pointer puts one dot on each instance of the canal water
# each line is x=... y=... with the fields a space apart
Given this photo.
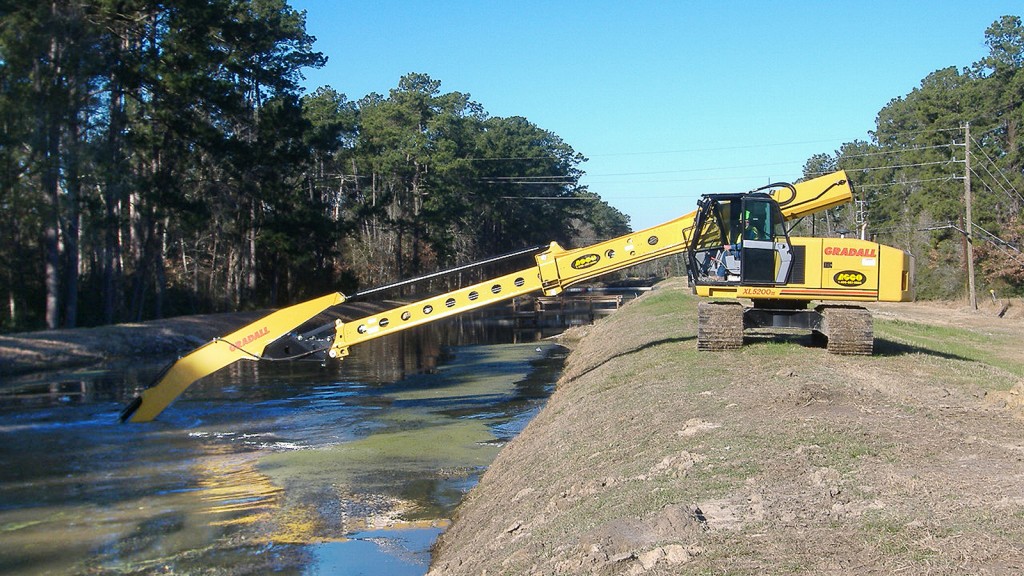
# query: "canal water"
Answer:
x=290 y=468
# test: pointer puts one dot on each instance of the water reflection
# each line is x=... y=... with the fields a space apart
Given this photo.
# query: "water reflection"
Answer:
x=391 y=552
x=270 y=467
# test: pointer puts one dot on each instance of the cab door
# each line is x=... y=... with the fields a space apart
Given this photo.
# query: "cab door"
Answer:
x=766 y=254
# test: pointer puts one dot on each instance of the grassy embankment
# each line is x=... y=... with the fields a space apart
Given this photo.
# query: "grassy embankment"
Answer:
x=654 y=458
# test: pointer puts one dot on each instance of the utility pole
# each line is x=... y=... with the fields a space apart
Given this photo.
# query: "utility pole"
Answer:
x=861 y=218
x=969 y=224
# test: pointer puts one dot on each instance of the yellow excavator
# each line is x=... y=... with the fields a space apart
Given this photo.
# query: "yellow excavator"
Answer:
x=736 y=245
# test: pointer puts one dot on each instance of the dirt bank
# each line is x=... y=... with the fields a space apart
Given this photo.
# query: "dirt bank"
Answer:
x=653 y=459
x=27 y=352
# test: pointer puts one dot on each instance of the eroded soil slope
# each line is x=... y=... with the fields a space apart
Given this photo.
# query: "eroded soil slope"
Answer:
x=652 y=458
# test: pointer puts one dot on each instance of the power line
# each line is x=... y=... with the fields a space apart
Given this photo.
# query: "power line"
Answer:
x=923 y=131
x=525 y=177
x=723 y=149
x=690 y=170
x=896 y=151
x=987 y=157
x=537 y=182
x=950 y=178
x=713 y=149
x=568 y=179
x=1001 y=244
x=1008 y=195
x=691 y=150
x=917 y=165
x=577 y=198
x=563 y=180
x=489 y=159
x=995 y=239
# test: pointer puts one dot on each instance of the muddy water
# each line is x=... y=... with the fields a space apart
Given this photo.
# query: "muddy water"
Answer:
x=293 y=468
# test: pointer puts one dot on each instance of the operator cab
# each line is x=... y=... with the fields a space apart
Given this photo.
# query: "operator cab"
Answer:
x=739 y=239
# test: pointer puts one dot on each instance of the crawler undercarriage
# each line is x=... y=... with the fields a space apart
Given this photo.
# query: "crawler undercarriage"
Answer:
x=846 y=329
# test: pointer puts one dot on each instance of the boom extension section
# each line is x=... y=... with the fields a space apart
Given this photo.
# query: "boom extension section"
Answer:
x=556 y=269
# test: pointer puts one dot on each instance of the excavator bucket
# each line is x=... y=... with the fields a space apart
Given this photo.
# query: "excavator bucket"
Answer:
x=246 y=343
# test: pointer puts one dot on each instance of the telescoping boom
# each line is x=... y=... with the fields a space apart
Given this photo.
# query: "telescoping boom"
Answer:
x=555 y=269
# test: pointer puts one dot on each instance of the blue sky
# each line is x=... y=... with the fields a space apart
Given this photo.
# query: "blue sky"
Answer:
x=668 y=100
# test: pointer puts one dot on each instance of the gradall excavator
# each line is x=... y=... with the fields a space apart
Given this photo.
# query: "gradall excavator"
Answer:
x=736 y=245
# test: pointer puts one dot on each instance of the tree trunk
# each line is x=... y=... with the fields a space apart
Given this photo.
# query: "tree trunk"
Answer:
x=50 y=110
x=112 y=192
x=159 y=249
x=72 y=247
x=140 y=277
x=250 y=276
x=110 y=252
x=212 y=278
x=231 y=293
x=51 y=231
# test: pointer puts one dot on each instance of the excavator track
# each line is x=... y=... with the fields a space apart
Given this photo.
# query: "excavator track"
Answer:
x=719 y=326
x=849 y=329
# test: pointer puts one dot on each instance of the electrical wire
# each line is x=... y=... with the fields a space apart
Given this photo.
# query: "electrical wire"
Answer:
x=577 y=198
x=992 y=162
x=527 y=178
x=538 y=183
x=524 y=251
x=549 y=180
x=563 y=180
x=949 y=178
x=989 y=188
x=723 y=148
x=1001 y=244
x=996 y=239
x=894 y=166
x=897 y=151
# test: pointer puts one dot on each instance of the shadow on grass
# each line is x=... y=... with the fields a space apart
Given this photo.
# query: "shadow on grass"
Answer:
x=883 y=347
x=638 y=349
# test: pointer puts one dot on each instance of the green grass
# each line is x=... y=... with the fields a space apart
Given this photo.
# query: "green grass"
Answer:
x=675 y=306
x=841 y=449
x=949 y=342
x=662 y=302
x=896 y=538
